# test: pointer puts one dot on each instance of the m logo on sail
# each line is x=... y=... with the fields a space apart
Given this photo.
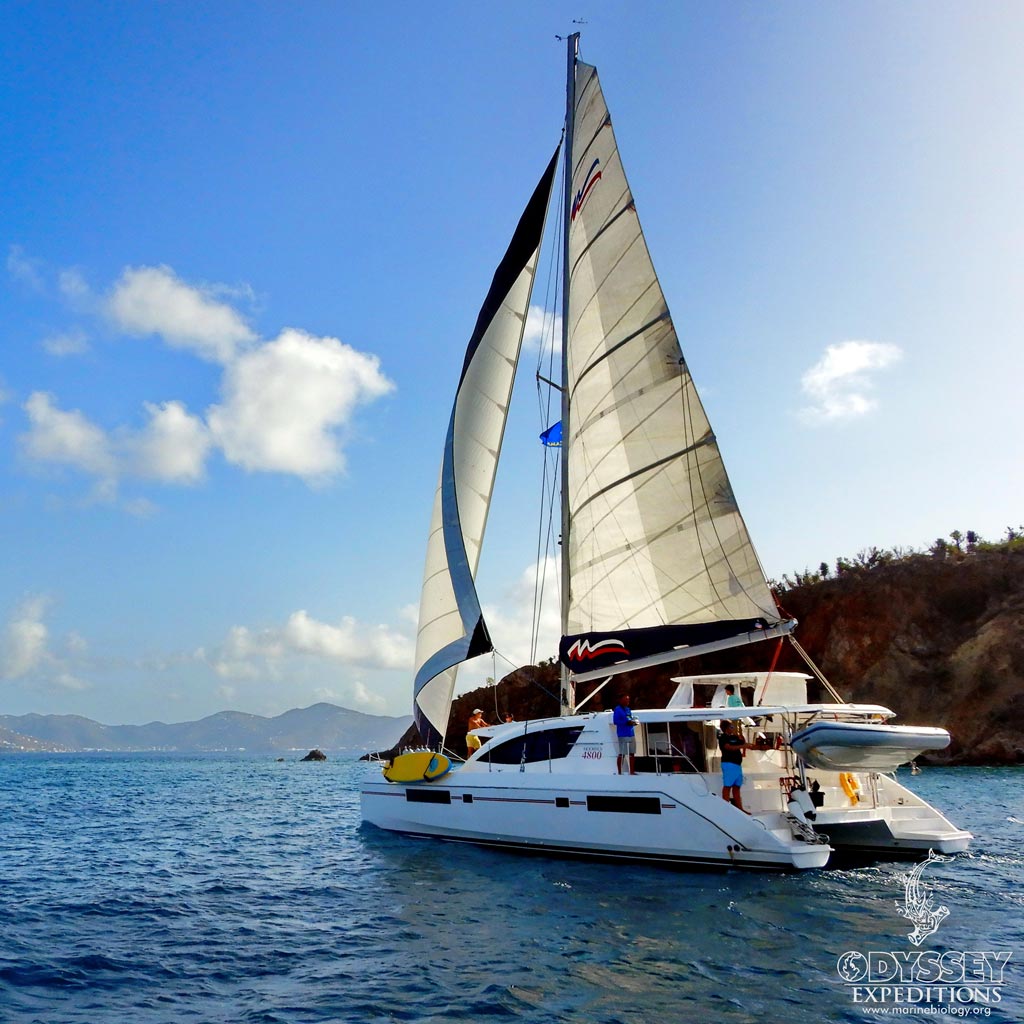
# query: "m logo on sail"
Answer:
x=584 y=650
x=581 y=196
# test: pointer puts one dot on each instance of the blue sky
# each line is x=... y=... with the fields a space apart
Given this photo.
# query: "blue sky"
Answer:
x=244 y=246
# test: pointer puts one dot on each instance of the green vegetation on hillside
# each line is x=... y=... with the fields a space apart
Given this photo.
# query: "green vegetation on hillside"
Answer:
x=960 y=545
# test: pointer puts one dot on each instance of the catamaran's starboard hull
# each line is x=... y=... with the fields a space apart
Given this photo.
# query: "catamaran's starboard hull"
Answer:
x=607 y=822
x=874 y=840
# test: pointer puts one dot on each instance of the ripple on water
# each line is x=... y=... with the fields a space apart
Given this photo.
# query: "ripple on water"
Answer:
x=163 y=889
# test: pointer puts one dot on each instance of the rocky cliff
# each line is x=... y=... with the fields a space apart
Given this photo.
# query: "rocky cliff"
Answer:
x=939 y=638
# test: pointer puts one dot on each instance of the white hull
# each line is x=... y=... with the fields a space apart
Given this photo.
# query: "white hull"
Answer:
x=665 y=819
x=552 y=786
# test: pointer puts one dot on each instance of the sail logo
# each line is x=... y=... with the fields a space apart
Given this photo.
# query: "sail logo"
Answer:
x=581 y=196
x=584 y=650
x=917 y=906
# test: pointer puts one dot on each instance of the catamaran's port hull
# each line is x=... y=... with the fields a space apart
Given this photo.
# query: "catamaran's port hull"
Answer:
x=650 y=826
x=689 y=863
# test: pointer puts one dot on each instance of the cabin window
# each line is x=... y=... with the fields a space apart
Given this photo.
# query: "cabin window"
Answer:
x=544 y=745
x=428 y=796
x=625 y=804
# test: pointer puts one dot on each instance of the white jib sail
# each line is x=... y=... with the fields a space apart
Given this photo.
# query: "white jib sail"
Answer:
x=451 y=628
x=656 y=537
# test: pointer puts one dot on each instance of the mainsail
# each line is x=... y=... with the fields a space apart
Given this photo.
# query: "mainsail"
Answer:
x=655 y=535
x=451 y=626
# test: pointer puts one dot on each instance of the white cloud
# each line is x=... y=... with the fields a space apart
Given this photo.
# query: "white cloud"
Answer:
x=354 y=695
x=141 y=508
x=543 y=329
x=838 y=384
x=66 y=438
x=67 y=681
x=74 y=342
x=24 y=647
x=24 y=269
x=173 y=446
x=25 y=652
x=72 y=285
x=154 y=300
x=349 y=642
x=285 y=402
x=511 y=623
x=249 y=654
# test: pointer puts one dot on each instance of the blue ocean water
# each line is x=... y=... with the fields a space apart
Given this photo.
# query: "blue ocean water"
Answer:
x=228 y=888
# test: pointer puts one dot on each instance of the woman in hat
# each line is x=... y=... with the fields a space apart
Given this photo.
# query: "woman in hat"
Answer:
x=476 y=721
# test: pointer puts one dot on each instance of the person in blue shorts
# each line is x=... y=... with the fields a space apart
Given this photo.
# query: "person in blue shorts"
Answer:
x=732 y=745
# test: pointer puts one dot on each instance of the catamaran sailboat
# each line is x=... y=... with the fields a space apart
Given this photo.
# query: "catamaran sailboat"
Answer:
x=657 y=566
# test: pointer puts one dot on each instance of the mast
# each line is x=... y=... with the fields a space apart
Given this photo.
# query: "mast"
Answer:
x=568 y=699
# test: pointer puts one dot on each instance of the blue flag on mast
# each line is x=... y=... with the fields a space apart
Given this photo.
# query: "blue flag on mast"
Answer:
x=552 y=437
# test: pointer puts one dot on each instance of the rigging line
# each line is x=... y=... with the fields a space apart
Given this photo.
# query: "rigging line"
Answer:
x=713 y=520
x=584 y=151
x=614 y=348
x=538 y=587
x=519 y=668
x=546 y=352
x=623 y=617
x=494 y=685
x=543 y=562
x=694 y=478
x=671 y=457
x=627 y=250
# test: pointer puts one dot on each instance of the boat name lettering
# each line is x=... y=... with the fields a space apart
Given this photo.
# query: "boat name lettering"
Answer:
x=591 y=751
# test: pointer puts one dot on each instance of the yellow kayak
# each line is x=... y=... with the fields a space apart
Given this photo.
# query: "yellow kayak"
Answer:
x=417 y=766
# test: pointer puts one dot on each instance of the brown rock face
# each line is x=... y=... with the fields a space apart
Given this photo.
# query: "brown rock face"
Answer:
x=940 y=641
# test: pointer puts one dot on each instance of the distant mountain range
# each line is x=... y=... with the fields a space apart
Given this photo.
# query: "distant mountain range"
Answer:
x=326 y=726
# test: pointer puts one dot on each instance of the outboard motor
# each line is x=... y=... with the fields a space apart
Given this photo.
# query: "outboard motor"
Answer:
x=801 y=805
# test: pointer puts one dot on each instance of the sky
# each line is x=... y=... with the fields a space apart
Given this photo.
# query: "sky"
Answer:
x=244 y=246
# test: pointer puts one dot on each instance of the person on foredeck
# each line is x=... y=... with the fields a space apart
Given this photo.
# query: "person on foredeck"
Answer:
x=732 y=698
x=625 y=731
x=732 y=745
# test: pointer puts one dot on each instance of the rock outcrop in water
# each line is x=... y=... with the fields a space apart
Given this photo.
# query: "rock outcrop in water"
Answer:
x=315 y=755
x=939 y=638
